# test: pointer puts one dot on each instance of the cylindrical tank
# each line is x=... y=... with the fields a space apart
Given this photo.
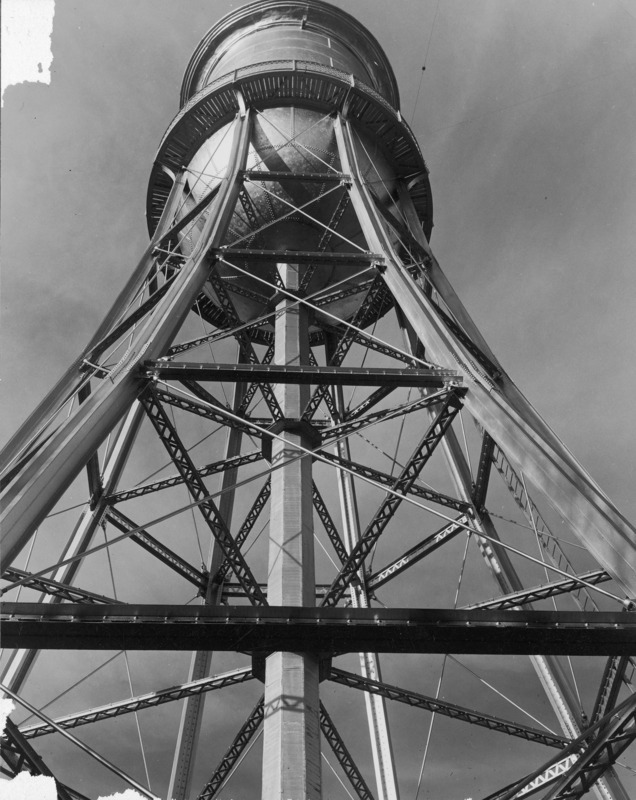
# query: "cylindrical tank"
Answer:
x=274 y=30
x=296 y=65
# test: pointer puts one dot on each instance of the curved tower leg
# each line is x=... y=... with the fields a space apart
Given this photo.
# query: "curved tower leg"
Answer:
x=377 y=718
x=501 y=409
x=32 y=494
x=191 y=715
x=21 y=661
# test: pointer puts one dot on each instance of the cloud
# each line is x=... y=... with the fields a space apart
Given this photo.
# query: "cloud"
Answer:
x=6 y=707
x=29 y=787
x=42 y=787
x=24 y=786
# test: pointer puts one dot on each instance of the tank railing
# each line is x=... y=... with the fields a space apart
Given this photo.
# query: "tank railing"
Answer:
x=219 y=101
x=290 y=65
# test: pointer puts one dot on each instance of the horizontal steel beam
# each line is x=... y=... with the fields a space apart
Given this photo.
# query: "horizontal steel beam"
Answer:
x=234 y=590
x=299 y=256
x=274 y=373
x=272 y=175
x=325 y=630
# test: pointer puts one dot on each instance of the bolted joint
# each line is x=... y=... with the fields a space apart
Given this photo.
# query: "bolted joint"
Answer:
x=300 y=427
x=324 y=667
x=203 y=586
x=96 y=497
x=290 y=294
x=279 y=297
x=259 y=658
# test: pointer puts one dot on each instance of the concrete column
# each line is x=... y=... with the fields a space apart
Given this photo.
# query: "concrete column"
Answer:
x=291 y=736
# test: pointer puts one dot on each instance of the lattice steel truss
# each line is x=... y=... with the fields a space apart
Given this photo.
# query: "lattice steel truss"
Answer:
x=332 y=383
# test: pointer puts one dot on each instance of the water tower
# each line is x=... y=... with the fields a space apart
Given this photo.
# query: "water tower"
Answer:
x=290 y=212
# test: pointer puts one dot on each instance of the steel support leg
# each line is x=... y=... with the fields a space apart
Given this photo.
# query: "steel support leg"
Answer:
x=56 y=465
x=549 y=670
x=21 y=661
x=383 y=762
x=18 y=445
x=499 y=407
x=192 y=713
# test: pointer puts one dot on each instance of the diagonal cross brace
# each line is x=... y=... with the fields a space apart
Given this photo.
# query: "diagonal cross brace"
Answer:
x=199 y=493
x=433 y=436
x=132 y=705
x=596 y=749
x=597 y=760
x=614 y=675
x=352 y=425
x=127 y=323
x=326 y=237
x=480 y=488
x=365 y=339
x=343 y=755
x=417 y=553
x=78 y=437
x=447 y=709
x=156 y=548
x=54 y=588
x=14 y=744
x=233 y=753
x=367 y=404
x=386 y=479
x=245 y=345
x=212 y=468
x=207 y=411
x=375 y=295
x=329 y=525
x=244 y=531
x=253 y=387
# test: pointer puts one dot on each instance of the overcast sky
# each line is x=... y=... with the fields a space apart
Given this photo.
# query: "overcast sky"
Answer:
x=525 y=114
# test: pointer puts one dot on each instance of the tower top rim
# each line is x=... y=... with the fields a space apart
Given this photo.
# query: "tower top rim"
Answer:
x=314 y=14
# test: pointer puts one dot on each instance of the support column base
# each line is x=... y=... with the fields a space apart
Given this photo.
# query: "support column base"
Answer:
x=291 y=726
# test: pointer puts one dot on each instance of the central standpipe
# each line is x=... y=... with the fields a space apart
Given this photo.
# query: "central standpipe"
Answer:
x=291 y=736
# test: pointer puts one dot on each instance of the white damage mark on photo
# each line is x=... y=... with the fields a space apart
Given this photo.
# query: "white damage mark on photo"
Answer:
x=129 y=794
x=24 y=786
x=39 y=787
x=26 y=41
